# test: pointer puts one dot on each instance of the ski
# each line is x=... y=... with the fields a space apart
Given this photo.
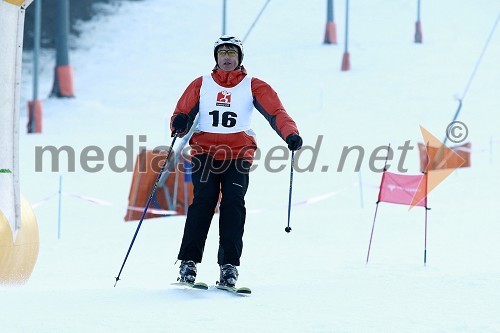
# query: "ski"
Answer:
x=243 y=291
x=197 y=285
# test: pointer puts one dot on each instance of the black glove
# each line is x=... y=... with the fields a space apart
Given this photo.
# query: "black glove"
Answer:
x=294 y=141
x=180 y=123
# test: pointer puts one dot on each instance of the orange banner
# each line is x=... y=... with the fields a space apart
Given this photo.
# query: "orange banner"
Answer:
x=147 y=166
x=450 y=158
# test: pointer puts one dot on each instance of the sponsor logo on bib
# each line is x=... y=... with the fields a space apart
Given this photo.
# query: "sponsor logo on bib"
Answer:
x=224 y=98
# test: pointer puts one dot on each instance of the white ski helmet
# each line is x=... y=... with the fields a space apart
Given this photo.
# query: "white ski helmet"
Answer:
x=229 y=40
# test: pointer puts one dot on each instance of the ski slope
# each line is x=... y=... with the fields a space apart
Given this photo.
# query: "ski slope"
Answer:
x=130 y=67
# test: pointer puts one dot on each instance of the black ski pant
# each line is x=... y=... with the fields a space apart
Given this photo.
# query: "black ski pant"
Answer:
x=210 y=179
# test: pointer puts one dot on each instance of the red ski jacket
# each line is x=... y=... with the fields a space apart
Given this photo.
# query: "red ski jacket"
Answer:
x=240 y=144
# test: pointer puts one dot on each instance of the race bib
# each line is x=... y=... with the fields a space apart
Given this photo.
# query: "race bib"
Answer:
x=225 y=110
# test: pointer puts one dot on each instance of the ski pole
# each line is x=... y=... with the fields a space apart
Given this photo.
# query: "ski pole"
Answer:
x=288 y=229
x=151 y=195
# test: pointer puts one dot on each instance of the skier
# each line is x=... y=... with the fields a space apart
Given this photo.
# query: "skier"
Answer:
x=222 y=152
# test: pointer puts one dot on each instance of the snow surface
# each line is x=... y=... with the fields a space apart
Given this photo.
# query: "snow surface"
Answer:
x=131 y=66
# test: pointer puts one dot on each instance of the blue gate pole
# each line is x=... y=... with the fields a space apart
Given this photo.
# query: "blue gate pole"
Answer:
x=223 y=17
x=346 y=61
x=63 y=76
x=331 y=28
x=35 y=106
x=418 y=26
x=59 y=209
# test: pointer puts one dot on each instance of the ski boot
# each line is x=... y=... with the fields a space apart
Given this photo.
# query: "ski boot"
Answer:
x=187 y=271
x=228 y=275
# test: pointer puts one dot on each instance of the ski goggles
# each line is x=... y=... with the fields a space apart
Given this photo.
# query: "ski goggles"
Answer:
x=229 y=53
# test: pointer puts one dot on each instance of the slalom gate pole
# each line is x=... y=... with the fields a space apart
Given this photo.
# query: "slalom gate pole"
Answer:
x=425 y=237
x=378 y=201
x=288 y=229
x=371 y=235
x=473 y=74
x=255 y=21
x=151 y=195
x=426 y=175
x=59 y=209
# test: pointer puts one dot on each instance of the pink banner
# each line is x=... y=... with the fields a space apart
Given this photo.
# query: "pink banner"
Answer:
x=402 y=189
